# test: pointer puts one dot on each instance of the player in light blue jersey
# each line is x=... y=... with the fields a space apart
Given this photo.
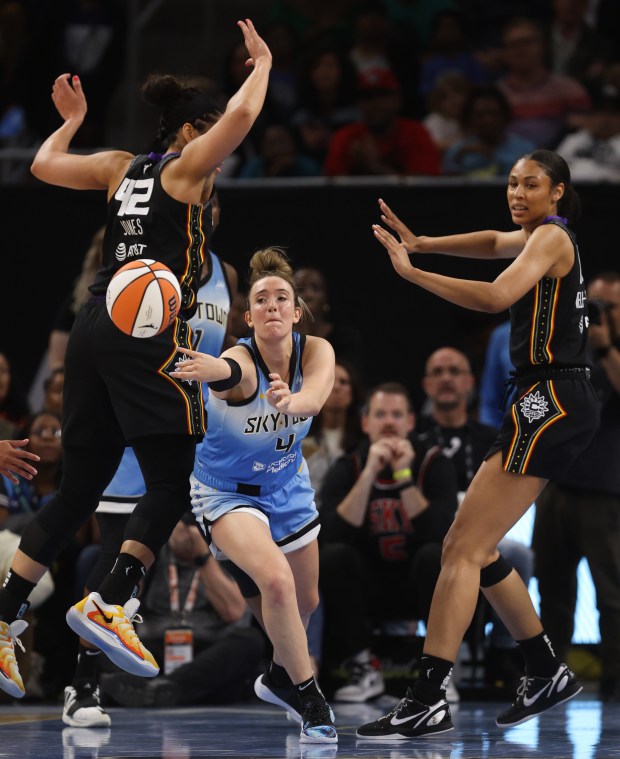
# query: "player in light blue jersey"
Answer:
x=218 y=285
x=251 y=492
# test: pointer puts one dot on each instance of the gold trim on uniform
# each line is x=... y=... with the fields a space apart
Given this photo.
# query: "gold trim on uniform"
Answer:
x=192 y=397
x=543 y=320
x=523 y=443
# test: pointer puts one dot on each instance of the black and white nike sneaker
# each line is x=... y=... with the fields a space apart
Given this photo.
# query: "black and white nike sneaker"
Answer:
x=537 y=694
x=409 y=719
x=82 y=707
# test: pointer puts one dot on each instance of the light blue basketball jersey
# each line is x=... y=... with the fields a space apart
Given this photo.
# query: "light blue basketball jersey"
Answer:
x=250 y=441
x=209 y=329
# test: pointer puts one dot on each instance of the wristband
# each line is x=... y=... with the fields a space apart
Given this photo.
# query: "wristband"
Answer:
x=402 y=474
x=200 y=561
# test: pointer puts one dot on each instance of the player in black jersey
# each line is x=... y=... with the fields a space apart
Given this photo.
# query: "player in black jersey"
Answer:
x=551 y=421
x=118 y=389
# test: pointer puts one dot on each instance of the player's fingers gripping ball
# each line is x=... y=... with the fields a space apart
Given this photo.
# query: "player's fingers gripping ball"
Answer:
x=143 y=298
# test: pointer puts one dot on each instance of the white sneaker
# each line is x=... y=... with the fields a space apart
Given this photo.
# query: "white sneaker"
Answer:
x=365 y=682
x=452 y=694
x=82 y=707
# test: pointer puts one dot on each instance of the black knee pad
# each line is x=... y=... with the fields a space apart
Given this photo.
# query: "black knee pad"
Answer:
x=495 y=572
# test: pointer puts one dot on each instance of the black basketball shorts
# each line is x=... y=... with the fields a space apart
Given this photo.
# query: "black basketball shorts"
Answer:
x=547 y=427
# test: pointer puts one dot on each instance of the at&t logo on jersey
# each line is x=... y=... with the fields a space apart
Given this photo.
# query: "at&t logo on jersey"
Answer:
x=132 y=251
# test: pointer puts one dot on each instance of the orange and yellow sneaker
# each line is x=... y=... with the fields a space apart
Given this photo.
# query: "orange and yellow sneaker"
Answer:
x=10 y=679
x=110 y=628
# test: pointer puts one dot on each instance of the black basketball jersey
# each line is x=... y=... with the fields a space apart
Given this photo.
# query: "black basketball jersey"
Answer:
x=143 y=221
x=548 y=325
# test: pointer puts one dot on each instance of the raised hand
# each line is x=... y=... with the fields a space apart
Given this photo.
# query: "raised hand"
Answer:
x=255 y=44
x=391 y=220
x=69 y=100
x=397 y=251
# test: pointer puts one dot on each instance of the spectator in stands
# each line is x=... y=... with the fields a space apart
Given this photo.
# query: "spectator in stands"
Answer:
x=237 y=325
x=594 y=151
x=279 y=156
x=326 y=99
x=53 y=391
x=445 y=109
x=345 y=337
x=449 y=50
x=282 y=92
x=383 y=143
x=378 y=43
x=386 y=508
x=13 y=402
x=577 y=49
x=545 y=105
x=418 y=17
x=85 y=36
x=488 y=147
x=336 y=429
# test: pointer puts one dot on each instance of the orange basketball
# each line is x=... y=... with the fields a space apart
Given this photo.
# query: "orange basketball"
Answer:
x=143 y=298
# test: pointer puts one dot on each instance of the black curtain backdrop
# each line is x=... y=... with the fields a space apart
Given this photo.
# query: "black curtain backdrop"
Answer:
x=46 y=231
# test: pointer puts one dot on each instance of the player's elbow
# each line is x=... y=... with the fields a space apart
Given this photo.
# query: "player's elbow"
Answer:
x=37 y=168
x=496 y=301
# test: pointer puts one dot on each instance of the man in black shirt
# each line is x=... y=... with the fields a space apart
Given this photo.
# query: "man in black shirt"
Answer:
x=385 y=511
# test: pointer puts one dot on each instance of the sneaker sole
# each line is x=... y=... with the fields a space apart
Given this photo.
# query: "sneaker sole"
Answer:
x=270 y=697
x=110 y=645
x=307 y=739
x=103 y=720
x=400 y=737
x=542 y=711
x=9 y=687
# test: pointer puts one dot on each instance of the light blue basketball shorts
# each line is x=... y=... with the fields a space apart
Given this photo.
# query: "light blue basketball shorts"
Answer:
x=289 y=512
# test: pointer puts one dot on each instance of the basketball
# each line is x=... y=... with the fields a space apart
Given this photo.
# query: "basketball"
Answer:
x=143 y=298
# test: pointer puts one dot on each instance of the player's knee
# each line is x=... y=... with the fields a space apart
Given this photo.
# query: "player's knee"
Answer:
x=277 y=585
x=308 y=602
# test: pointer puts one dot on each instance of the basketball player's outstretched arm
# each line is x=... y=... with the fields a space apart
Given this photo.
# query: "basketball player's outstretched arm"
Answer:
x=484 y=244
x=546 y=247
x=55 y=165
x=14 y=460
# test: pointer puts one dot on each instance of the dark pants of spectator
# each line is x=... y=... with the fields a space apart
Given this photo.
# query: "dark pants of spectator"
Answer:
x=359 y=591
x=571 y=524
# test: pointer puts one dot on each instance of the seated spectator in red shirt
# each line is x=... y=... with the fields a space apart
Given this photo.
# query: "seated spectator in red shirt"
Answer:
x=383 y=143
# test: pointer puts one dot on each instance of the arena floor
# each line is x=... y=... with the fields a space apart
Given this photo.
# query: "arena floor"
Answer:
x=583 y=729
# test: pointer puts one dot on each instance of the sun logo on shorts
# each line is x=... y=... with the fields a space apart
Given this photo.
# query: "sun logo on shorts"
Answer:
x=534 y=406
